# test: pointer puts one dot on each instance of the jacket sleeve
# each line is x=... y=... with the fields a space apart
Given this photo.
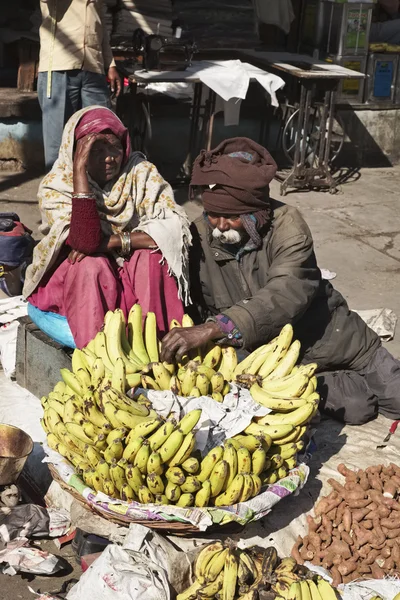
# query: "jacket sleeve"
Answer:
x=292 y=284
x=106 y=47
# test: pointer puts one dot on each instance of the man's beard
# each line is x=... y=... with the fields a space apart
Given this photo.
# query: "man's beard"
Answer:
x=232 y=236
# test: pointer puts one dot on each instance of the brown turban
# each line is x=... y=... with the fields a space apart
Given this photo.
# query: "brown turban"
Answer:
x=240 y=171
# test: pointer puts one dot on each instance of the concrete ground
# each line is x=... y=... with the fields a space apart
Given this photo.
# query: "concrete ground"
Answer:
x=356 y=234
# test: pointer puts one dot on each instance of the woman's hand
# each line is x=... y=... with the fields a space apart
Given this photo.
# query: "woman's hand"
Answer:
x=180 y=340
x=81 y=158
x=140 y=240
x=75 y=256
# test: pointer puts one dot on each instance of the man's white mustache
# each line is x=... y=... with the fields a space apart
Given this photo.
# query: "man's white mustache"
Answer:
x=227 y=237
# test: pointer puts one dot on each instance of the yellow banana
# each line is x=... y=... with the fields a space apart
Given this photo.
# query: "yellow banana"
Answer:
x=314 y=591
x=92 y=413
x=207 y=371
x=114 y=450
x=291 y=463
x=119 y=432
x=130 y=421
x=257 y=363
x=191 y=465
x=256 y=484
x=127 y=493
x=275 y=431
x=232 y=494
x=122 y=402
x=114 y=332
x=218 y=477
x=134 y=478
x=151 y=341
x=215 y=566
x=203 y=559
x=109 y=487
x=248 y=488
x=118 y=376
x=309 y=370
x=84 y=379
x=244 y=461
x=212 y=588
x=184 y=451
x=78 y=360
x=132 y=448
x=142 y=457
x=228 y=362
x=203 y=384
x=212 y=357
x=148 y=383
x=57 y=406
x=161 y=375
x=282 y=472
x=217 y=382
x=251 y=442
x=155 y=483
x=231 y=457
x=100 y=344
x=191 y=484
x=194 y=393
x=135 y=333
x=175 y=475
x=278 y=351
x=245 y=364
x=71 y=380
x=291 y=387
x=208 y=463
x=189 y=381
x=191 y=592
x=185 y=500
x=98 y=372
x=77 y=431
x=172 y=491
x=175 y=385
x=154 y=464
x=53 y=441
x=103 y=469
x=189 y=421
x=203 y=496
x=325 y=590
x=171 y=446
x=145 y=495
x=174 y=323
x=161 y=435
x=117 y=474
x=294 y=436
x=230 y=577
x=60 y=388
x=217 y=396
x=285 y=451
x=93 y=456
x=146 y=427
x=286 y=365
x=298 y=417
x=258 y=460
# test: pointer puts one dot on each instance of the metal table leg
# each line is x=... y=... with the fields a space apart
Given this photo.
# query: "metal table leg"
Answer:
x=194 y=128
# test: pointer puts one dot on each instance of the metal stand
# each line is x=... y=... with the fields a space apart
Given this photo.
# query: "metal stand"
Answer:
x=318 y=174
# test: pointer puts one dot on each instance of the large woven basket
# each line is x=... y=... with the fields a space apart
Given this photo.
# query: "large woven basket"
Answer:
x=171 y=527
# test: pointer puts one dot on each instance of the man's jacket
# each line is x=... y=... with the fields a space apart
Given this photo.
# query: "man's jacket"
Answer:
x=277 y=284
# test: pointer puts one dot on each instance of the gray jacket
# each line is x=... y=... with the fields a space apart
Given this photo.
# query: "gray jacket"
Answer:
x=277 y=284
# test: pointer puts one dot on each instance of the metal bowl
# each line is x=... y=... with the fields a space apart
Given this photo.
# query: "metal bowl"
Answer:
x=15 y=447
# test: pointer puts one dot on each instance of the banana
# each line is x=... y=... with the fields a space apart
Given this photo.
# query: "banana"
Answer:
x=212 y=357
x=291 y=387
x=148 y=383
x=250 y=564
x=130 y=421
x=98 y=372
x=305 y=591
x=142 y=457
x=245 y=364
x=257 y=485
x=145 y=495
x=290 y=463
x=203 y=496
x=204 y=558
x=273 y=432
x=60 y=388
x=76 y=430
x=294 y=591
x=150 y=334
x=118 y=376
x=113 y=333
x=171 y=446
x=57 y=406
x=228 y=362
x=127 y=493
x=191 y=592
x=87 y=477
x=84 y=379
x=100 y=344
x=155 y=483
x=270 y=477
x=103 y=469
x=175 y=475
x=53 y=441
x=207 y=371
x=245 y=576
x=189 y=421
x=211 y=589
x=258 y=461
x=269 y=400
x=231 y=458
x=185 y=500
x=285 y=451
x=109 y=488
x=215 y=566
x=154 y=464
x=230 y=576
x=110 y=414
x=88 y=359
x=78 y=360
x=71 y=380
x=161 y=375
x=175 y=385
x=278 y=351
x=134 y=478
x=91 y=411
x=244 y=461
x=287 y=564
x=217 y=383
x=189 y=381
x=232 y=494
x=132 y=448
x=145 y=428
x=208 y=463
x=119 y=432
x=251 y=442
x=282 y=472
x=161 y=499
x=217 y=396
x=191 y=484
x=257 y=363
x=161 y=435
x=218 y=477
x=114 y=450
x=191 y=465
x=173 y=492
x=122 y=402
x=135 y=333
x=93 y=456
x=314 y=591
x=202 y=384
x=287 y=363
x=298 y=417
x=294 y=436
x=248 y=488
x=117 y=474
x=325 y=590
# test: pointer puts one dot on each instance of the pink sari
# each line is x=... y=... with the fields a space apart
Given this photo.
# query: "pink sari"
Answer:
x=85 y=291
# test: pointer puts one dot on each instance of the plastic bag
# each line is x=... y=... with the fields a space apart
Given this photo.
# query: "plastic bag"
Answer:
x=54 y=325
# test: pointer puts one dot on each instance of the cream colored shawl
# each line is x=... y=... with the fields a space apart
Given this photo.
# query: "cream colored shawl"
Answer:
x=139 y=200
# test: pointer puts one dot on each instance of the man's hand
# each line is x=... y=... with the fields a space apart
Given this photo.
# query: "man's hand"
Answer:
x=115 y=81
x=75 y=256
x=180 y=340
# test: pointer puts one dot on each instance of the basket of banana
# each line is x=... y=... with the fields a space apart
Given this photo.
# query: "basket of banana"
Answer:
x=224 y=572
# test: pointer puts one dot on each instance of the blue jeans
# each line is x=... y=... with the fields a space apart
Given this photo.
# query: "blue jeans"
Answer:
x=70 y=91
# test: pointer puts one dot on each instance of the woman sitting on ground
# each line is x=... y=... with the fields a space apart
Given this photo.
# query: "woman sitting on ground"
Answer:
x=114 y=235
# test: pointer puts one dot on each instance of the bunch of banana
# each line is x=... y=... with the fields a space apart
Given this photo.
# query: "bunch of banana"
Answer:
x=224 y=572
x=204 y=372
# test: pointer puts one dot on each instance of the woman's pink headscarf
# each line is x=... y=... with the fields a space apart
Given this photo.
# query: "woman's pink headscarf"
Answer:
x=100 y=119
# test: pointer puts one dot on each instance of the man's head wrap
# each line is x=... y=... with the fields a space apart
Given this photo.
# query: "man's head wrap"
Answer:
x=235 y=176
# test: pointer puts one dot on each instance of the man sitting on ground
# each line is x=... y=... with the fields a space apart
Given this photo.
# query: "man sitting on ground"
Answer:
x=253 y=269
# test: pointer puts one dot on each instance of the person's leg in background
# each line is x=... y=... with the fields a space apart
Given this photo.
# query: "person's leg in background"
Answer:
x=382 y=375
x=346 y=397
x=53 y=113
x=95 y=90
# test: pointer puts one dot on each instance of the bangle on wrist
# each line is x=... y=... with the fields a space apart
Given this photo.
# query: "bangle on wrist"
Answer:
x=126 y=245
x=83 y=195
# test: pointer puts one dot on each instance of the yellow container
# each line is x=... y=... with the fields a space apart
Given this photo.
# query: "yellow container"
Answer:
x=15 y=447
